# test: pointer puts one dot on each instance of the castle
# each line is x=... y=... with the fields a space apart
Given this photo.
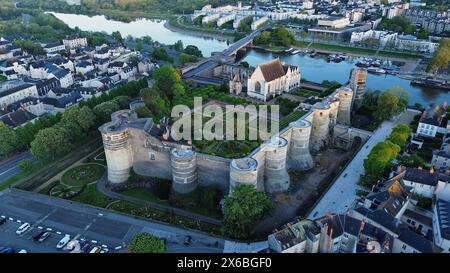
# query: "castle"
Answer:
x=146 y=147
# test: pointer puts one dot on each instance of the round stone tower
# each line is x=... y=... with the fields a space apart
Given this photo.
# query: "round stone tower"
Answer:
x=184 y=170
x=345 y=96
x=320 y=133
x=299 y=155
x=243 y=171
x=277 y=177
x=334 y=107
x=118 y=154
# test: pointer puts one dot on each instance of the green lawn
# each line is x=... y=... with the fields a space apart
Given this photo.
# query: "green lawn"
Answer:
x=90 y=195
x=290 y=118
x=82 y=175
x=154 y=214
x=148 y=195
x=144 y=194
x=307 y=93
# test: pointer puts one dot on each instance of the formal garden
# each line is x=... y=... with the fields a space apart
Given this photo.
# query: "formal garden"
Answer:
x=75 y=180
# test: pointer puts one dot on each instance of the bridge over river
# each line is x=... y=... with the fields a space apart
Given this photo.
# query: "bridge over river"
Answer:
x=193 y=72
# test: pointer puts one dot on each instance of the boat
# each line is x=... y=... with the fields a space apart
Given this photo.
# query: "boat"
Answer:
x=313 y=54
x=296 y=52
x=289 y=50
x=438 y=84
x=376 y=70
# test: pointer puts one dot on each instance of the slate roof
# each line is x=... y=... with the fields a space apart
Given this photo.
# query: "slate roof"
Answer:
x=63 y=101
x=443 y=213
x=52 y=45
x=272 y=70
x=421 y=176
x=15 y=89
x=433 y=115
x=17 y=118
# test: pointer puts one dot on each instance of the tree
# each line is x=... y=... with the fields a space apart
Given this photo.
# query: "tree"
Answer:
x=178 y=46
x=160 y=53
x=423 y=34
x=165 y=78
x=78 y=120
x=242 y=209
x=380 y=157
x=8 y=139
x=144 y=242
x=123 y=101
x=193 y=50
x=390 y=103
x=400 y=134
x=133 y=59
x=441 y=58
x=143 y=112
x=411 y=161
x=117 y=36
x=186 y=58
x=104 y=110
x=30 y=47
x=26 y=166
x=158 y=106
x=51 y=142
x=139 y=46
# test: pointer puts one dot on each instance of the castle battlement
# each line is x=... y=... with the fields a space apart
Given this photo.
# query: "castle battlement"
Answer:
x=144 y=146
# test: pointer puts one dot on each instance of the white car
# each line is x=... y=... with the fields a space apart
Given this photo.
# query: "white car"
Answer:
x=95 y=249
x=63 y=241
x=23 y=228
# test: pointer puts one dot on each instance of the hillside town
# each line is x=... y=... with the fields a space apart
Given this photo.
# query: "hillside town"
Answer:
x=354 y=93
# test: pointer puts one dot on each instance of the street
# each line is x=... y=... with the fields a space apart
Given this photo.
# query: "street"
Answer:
x=342 y=193
x=10 y=166
x=93 y=224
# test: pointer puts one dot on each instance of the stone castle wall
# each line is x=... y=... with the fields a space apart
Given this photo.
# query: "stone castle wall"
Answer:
x=265 y=168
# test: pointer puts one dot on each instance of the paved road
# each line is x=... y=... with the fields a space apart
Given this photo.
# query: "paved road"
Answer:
x=103 y=226
x=342 y=194
x=10 y=166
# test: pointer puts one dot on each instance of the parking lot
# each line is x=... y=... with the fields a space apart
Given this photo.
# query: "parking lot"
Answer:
x=97 y=226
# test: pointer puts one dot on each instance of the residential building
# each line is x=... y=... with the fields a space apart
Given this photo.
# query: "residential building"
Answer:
x=16 y=92
x=431 y=120
x=71 y=42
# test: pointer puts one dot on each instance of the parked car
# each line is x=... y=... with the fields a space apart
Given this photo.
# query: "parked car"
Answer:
x=63 y=241
x=37 y=235
x=23 y=228
x=104 y=250
x=6 y=250
x=44 y=237
x=95 y=249
x=187 y=240
x=85 y=247
x=2 y=221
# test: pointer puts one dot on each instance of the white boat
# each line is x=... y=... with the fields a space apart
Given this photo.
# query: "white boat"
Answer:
x=296 y=52
x=289 y=50
x=376 y=70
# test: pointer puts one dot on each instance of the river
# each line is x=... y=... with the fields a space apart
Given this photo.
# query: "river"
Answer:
x=314 y=69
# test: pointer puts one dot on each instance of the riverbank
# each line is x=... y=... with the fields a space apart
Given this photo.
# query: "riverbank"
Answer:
x=356 y=51
x=174 y=25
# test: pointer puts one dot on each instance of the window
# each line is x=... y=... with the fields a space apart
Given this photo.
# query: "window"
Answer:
x=152 y=156
x=258 y=87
